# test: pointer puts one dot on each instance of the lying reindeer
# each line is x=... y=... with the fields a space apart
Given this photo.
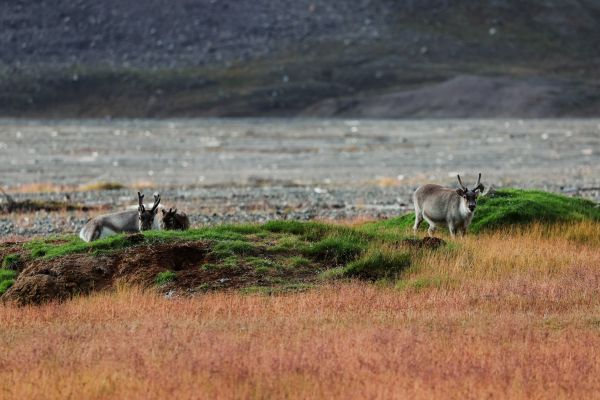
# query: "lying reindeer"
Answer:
x=174 y=220
x=122 y=222
x=452 y=207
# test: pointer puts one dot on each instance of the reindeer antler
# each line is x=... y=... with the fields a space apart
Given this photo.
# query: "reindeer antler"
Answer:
x=461 y=184
x=479 y=185
x=141 y=201
x=156 y=202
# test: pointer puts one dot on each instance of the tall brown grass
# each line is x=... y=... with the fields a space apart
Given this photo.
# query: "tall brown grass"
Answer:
x=508 y=314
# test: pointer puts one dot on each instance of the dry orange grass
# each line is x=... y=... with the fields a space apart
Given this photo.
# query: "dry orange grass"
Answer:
x=41 y=187
x=511 y=315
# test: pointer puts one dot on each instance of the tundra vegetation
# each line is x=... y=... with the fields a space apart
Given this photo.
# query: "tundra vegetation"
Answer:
x=512 y=309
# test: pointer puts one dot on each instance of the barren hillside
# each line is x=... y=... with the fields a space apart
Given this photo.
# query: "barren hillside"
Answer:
x=373 y=58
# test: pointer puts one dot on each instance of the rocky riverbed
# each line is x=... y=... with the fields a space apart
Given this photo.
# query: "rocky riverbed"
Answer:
x=252 y=170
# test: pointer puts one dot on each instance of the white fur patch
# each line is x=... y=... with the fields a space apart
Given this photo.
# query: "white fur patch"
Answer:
x=81 y=235
x=156 y=225
x=464 y=209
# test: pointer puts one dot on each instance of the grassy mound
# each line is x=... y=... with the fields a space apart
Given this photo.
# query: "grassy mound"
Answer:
x=269 y=258
x=378 y=264
x=513 y=206
x=283 y=254
x=509 y=207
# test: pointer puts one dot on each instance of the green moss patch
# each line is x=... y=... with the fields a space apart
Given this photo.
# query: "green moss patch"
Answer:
x=377 y=265
x=227 y=248
x=11 y=261
x=7 y=278
x=519 y=207
x=336 y=250
x=165 y=277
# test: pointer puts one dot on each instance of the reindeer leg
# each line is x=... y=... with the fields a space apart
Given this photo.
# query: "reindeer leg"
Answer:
x=418 y=221
x=432 y=226
x=431 y=230
x=452 y=230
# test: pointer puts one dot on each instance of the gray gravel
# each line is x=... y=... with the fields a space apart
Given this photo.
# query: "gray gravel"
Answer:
x=209 y=206
x=224 y=171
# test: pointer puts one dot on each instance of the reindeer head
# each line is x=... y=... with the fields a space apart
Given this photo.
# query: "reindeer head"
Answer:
x=470 y=195
x=146 y=217
x=169 y=219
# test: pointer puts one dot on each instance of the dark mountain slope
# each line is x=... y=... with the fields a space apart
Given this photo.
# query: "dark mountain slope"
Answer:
x=369 y=58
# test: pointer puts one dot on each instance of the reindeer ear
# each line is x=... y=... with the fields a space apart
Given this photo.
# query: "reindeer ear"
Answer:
x=140 y=202
x=163 y=210
x=460 y=192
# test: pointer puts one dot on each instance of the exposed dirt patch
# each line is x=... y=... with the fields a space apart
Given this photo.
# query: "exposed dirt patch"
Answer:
x=141 y=264
x=193 y=264
x=60 y=278
x=425 y=243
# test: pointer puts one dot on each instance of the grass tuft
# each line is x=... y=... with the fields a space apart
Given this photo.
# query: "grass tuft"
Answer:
x=165 y=277
x=335 y=250
x=7 y=278
x=332 y=273
x=308 y=230
x=11 y=261
x=298 y=261
x=7 y=274
x=378 y=264
x=418 y=284
x=228 y=248
x=288 y=244
x=5 y=285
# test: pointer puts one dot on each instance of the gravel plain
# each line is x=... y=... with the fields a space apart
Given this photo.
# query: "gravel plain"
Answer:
x=252 y=170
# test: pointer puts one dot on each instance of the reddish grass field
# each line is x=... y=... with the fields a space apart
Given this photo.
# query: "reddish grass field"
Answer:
x=503 y=315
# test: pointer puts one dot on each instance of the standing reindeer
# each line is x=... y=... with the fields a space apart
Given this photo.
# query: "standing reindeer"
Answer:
x=452 y=207
x=122 y=222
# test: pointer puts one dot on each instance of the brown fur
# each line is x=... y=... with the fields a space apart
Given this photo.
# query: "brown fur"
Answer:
x=175 y=220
